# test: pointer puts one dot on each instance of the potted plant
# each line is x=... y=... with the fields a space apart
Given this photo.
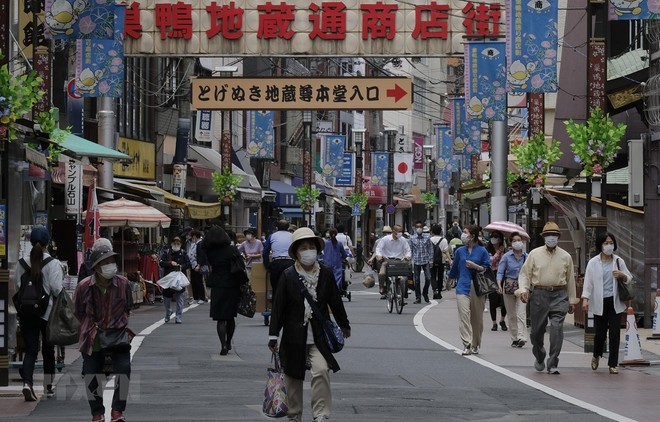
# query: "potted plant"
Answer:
x=225 y=184
x=307 y=196
x=595 y=142
x=429 y=199
x=535 y=157
x=359 y=198
x=18 y=93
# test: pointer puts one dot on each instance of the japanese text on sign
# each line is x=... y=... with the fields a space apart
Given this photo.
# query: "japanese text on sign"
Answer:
x=239 y=26
x=301 y=93
x=73 y=194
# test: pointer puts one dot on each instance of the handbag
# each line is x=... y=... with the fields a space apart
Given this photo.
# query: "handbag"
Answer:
x=247 y=305
x=332 y=334
x=63 y=327
x=275 y=399
x=114 y=339
x=484 y=281
x=510 y=286
x=624 y=289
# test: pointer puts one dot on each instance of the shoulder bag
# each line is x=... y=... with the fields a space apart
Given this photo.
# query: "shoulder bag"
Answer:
x=247 y=304
x=237 y=267
x=625 y=290
x=484 y=282
x=63 y=327
x=332 y=334
x=511 y=285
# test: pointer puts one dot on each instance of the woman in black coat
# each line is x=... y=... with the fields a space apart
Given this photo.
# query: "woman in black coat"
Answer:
x=216 y=251
x=302 y=346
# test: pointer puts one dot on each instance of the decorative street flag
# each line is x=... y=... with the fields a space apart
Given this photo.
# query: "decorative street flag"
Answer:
x=633 y=9
x=418 y=152
x=261 y=134
x=485 y=80
x=532 y=42
x=334 y=155
x=403 y=167
x=379 y=169
x=347 y=170
x=445 y=161
x=92 y=218
x=466 y=135
x=80 y=19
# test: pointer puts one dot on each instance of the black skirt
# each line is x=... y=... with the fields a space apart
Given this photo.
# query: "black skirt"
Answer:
x=224 y=302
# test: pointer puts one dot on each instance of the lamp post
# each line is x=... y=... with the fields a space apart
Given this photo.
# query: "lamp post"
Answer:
x=428 y=153
x=390 y=132
x=358 y=139
x=307 y=155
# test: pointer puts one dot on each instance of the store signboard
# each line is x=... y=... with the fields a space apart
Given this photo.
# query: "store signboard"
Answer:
x=73 y=186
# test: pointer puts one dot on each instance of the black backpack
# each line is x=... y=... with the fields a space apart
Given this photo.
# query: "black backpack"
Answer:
x=437 y=253
x=31 y=300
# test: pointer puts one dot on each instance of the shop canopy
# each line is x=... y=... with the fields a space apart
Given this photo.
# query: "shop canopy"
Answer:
x=81 y=147
x=196 y=210
x=124 y=213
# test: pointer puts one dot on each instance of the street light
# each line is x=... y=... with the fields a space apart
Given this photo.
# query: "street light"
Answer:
x=428 y=153
x=307 y=154
x=390 y=132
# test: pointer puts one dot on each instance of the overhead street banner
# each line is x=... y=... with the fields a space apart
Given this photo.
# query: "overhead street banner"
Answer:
x=390 y=93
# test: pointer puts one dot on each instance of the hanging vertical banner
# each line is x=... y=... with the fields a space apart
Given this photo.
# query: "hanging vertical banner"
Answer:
x=403 y=167
x=379 y=168
x=485 y=80
x=536 y=114
x=466 y=134
x=3 y=231
x=531 y=46
x=346 y=176
x=203 y=125
x=633 y=9
x=334 y=155
x=418 y=152
x=261 y=134
x=596 y=76
x=445 y=162
x=73 y=193
x=465 y=167
x=80 y=19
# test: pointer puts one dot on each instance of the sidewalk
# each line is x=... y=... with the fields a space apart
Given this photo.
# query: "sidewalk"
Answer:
x=630 y=394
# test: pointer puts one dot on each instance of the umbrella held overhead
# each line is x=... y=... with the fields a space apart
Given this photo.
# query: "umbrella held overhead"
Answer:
x=506 y=227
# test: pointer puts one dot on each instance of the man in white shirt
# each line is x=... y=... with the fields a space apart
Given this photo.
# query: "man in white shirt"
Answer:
x=391 y=246
x=345 y=239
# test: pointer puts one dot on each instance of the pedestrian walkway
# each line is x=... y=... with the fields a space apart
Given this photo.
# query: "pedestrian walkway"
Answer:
x=632 y=393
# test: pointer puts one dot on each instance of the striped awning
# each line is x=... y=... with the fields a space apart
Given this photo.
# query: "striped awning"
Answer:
x=124 y=213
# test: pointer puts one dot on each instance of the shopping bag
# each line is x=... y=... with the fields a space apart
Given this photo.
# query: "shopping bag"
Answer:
x=369 y=278
x=247 y=304
x=275 y=400
x=175 y=280
x=63 y=327
x=484 y=281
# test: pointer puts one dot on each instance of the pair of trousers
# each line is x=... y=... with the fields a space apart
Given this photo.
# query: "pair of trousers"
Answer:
x=471 y=318
x=276 y=268
x=553 y=306
x=608 y=324
x=495 y=301
x=516 y=312
x=197 y=283
x=180 y=298
x=32 y=329
x=417 y=269
x=321 y=394
x=94 y=378
x=438 y=277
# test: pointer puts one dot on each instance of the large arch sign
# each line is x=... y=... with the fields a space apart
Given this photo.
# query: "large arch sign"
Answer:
x=304 y=27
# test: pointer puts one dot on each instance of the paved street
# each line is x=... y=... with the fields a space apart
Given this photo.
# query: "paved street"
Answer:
x=394 y=368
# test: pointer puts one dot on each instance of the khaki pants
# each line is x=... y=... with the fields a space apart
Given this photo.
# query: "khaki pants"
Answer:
x=471 y=318
x=516 y=313
x=321 y=394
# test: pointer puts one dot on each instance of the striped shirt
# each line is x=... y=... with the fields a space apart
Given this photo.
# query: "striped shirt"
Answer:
x=108 y=310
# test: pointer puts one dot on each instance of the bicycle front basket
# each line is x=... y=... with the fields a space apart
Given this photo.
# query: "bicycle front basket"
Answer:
x=395 y=268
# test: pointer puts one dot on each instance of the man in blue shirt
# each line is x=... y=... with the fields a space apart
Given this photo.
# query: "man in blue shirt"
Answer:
x=422 y=255
x=276 y=253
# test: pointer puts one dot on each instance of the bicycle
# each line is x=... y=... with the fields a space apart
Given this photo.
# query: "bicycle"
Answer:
x=357 y=264
x=397 y=273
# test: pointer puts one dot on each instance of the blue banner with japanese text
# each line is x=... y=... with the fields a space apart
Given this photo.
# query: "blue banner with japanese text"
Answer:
x=346 y=176
x=531 y=46
x=633 y=9
x=261 y=134
x=379 y=169
x=334 y=155
x=466 y=134
x=445 y=162
x=485 y=81
x=80 y=19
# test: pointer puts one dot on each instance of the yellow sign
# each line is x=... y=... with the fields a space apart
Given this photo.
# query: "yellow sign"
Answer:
x=391 y=93
x=144 y=159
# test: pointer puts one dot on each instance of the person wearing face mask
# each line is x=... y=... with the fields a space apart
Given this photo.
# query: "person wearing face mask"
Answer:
x=302 y=346
x=507 y=284
x=103 y=300
x=470 y=257
x=600 y=294
x=496 y=248
x=174 y=259
x=392 y=246
x=421 y=249
x=251 y=249
x=547 y=282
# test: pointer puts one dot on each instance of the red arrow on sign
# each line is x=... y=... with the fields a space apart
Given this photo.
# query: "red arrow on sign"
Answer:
x=397 y=93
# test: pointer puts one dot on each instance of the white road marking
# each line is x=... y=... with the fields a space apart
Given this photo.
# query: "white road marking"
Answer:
x=419 y=325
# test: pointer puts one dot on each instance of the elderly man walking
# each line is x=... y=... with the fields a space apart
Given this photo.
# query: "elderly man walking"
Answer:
x=548 y=275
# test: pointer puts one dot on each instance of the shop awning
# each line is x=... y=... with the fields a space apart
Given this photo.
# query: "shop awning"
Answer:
x=249 y=194
x=341 y=202
x=155 y=193
x=286 y=194
x=402 y=203
x=35 y=157
x=207 y=160
x=292 y=212
x=196 y=210
x=81 y=147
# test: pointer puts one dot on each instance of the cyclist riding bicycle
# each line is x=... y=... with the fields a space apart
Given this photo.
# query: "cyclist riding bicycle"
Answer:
x=393 y=246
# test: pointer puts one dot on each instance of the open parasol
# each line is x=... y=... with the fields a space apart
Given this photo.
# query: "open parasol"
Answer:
x=506 y=227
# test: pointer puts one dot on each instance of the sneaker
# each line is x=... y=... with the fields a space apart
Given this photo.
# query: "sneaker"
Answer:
x=200 y=302
x=224 y=351
x=475 y=350
x=521 y=343
x=494 y=327
x=28 y=392
x=50 y=391
x=178 y=320
x=426 y=299
x=417 y=301
x=321 y=419
x=436 y=295
x=466 y=352
x=117 y=416
x=539 y=366
x=594 y=363
x=168 y=315
x=98 y=418
x=614 y=370
x=553 y=371
x=383 y=297
x=503 y=325
x=514 y=343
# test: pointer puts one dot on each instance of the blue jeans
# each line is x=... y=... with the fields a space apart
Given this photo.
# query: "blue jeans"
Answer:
x=94 y=378
x=417 y=269
x=180 y=298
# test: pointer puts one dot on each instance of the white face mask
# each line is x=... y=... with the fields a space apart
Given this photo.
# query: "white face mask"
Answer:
x=551 y=241
x=108 y=271
x=176 y=248
x=308 y=257
x=465 y=238
x=608 y=249
x=419 y=230
x=248 y=236
x=517 y=245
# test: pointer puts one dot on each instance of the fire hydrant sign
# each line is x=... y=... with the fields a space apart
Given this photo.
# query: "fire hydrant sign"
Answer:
x=390 y=93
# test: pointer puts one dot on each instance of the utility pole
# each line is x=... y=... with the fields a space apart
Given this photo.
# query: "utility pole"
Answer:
x=498 y=169
x=390 y=133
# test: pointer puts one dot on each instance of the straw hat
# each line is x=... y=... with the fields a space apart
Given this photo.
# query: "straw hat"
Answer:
x=300 y=235
x=550 y=228
x=387 y=229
